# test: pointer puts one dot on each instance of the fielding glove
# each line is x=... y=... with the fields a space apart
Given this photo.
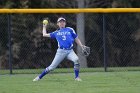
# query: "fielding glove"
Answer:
x=85 y=50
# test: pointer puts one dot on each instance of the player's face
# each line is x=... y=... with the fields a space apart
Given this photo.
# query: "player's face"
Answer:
x=61 y=24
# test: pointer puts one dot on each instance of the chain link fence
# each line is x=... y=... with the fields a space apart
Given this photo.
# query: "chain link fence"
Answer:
x=114 y=40
x=4 y=42
x=123 y=34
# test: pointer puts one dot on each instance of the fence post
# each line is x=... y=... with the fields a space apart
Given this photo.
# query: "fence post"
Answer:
x=9 y=43
x=104 y=43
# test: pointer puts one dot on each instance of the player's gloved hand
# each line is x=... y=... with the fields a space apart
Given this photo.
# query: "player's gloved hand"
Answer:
x=85 y=50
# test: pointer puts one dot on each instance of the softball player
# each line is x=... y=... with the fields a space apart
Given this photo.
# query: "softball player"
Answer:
x=65 y=37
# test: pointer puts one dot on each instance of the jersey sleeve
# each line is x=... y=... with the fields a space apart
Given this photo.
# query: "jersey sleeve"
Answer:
x=52 y=35
x=74 y=35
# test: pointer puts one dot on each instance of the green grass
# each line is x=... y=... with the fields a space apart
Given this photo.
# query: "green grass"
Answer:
x=69 y=70
x=93 y=82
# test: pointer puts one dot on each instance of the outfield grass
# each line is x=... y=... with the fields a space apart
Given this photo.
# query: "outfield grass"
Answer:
x=69 y=70
x=93 y=82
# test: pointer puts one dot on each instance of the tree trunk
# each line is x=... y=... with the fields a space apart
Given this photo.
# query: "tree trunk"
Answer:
x=81 y=34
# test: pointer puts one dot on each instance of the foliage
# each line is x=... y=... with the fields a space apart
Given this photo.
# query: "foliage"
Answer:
x=31 y=50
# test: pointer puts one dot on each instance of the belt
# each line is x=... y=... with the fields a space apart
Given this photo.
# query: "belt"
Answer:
x=65 y=48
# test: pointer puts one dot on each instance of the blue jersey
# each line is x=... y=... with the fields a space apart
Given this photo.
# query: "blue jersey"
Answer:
x=65 y=37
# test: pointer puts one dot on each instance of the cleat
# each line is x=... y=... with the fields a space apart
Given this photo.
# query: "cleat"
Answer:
x=78 y=79
x=36 y=79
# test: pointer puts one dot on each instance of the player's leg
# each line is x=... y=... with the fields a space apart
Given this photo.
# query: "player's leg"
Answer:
x=58 y=58
x=60 y=55
x=74 y=58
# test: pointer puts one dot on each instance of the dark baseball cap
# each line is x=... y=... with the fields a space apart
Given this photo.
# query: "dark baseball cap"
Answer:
x=61 y=18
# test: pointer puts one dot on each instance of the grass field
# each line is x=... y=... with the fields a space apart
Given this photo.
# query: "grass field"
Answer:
x=69 y=70
x=93 y=82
